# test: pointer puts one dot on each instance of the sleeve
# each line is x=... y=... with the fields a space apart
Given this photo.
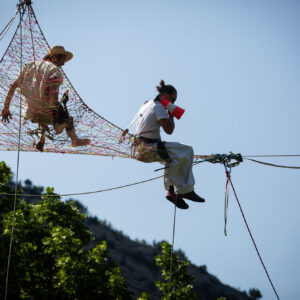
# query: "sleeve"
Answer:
x=160 y=112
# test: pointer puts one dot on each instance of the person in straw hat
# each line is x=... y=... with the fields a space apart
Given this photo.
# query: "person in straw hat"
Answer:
x=39 y=83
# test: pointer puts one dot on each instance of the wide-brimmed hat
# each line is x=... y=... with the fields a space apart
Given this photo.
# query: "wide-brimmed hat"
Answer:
x=55 y=50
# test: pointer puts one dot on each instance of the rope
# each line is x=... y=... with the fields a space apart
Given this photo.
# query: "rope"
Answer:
x=172 y=247
x=18 y=163
x=31 y=35
x=226 y=205
x=90 y=110
x=87 y=193
x=196 y=162
x=6 y=28
x=216 y=158
x=273 y=155
x=245 y=221
x=272 y=165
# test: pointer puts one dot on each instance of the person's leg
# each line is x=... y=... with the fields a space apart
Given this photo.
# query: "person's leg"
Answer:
x=41 y=143
x=58 y=128
x=42 y=128
x=76 y=141
x=178 y=173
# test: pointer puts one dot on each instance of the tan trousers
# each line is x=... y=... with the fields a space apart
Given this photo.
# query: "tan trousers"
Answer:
x=179 y=172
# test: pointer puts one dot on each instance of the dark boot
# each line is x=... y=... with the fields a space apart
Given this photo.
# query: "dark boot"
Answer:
x=40 y=146
x=179 y=202
x=41 y=143
x=192 y=196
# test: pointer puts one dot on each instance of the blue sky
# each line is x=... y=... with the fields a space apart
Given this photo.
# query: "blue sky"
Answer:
x=236 y=67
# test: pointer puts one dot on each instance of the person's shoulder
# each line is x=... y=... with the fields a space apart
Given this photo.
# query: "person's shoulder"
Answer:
x=160 y=110
x=158 y=106
x=48 y=64
x=53 y=69
x=44 y=65
x=147 y=105
x=28 y=68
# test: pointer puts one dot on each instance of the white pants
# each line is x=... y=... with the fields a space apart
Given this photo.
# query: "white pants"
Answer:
x=179 y=172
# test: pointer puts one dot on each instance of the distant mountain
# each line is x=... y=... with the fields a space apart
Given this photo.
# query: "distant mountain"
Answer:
x=137 y=262
x=137 y=258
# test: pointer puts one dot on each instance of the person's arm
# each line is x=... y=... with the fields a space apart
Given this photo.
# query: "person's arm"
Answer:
x=53 y=95
x=168 y=125
x=6 y=115
x=52 y=91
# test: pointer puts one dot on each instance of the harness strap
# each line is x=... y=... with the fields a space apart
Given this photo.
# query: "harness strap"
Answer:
x=161 y=148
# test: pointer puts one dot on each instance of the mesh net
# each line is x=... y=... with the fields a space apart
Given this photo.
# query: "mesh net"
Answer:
x=29 y=45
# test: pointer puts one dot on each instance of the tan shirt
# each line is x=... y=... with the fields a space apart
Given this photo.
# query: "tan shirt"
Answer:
x=33 y=81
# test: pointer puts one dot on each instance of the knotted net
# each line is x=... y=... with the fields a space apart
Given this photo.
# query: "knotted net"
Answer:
x=29 y=45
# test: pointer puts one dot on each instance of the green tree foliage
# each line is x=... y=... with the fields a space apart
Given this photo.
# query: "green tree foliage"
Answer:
x=255 y=294
x=49 y=258
x=179 y=285
x=144 y=296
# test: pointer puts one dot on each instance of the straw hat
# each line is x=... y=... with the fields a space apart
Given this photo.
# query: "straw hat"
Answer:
x=59 y=50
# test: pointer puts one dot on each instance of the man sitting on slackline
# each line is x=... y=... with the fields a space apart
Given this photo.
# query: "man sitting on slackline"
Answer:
x=39 y=83
x=178 y=158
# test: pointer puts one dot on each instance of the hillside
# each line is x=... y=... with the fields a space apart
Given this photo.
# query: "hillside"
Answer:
x=137 y=258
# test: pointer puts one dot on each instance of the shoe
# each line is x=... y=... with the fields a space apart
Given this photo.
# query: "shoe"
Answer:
x=192 y=196
x=40 y=146
x=80 y=142
x=179 y=202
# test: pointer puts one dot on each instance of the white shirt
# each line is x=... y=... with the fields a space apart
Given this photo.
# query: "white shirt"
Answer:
x=148 y=120
x=36 y=78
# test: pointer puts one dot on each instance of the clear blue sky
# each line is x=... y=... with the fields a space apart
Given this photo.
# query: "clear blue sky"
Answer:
x=236 y=67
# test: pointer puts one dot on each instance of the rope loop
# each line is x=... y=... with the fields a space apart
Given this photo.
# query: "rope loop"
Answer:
x=232 y=160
